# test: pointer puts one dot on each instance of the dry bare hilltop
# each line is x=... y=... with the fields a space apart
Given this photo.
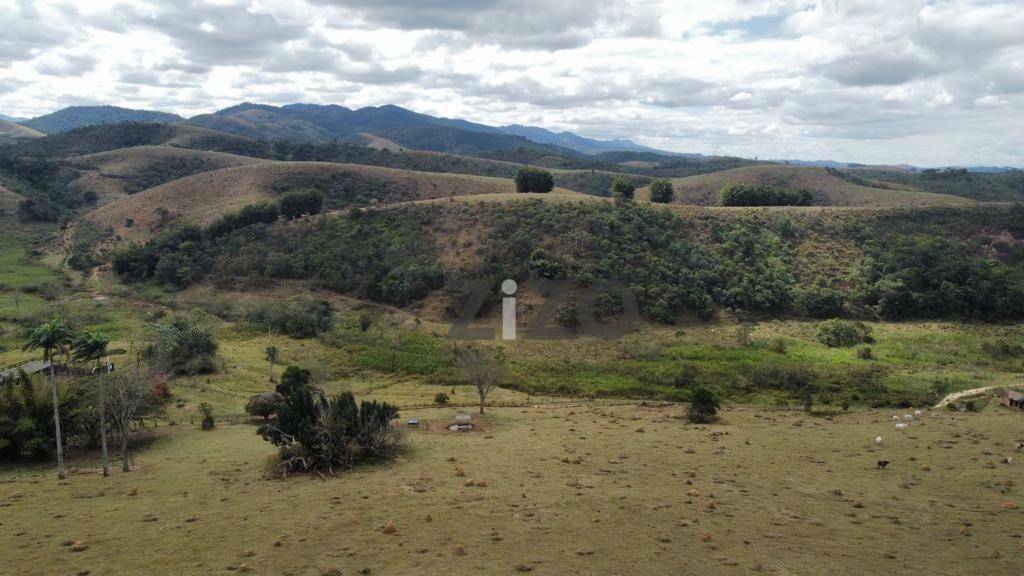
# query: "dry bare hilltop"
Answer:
x=117 y=173
x=829 y=187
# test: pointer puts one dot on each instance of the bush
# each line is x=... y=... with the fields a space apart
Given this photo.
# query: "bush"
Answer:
x=182 y=346
x=779 y=345
x=623 y=188
x=838 y=333
x=207 y=411
x=264 y=405
x=740 y=194
x=441 y=399
x=298 y=203
x=661 y=191
x=865 y=353
x=313 y=433
x=704 y=405
x=534 y=180
x=266 y=213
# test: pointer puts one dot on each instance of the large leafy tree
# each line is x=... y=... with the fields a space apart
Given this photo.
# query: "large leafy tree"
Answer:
x=52 y=336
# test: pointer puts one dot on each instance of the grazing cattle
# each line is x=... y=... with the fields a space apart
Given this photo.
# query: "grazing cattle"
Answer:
x=878 y=439
x=895 y=417
x=882 y=464
x=917 y=412
x=1019 y=446
x=901 y=426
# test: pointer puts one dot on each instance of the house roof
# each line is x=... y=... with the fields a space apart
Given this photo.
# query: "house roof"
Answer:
x=1013 y=395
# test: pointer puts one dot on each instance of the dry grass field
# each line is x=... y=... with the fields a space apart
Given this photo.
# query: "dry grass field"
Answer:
x=828 y=190
x=202 y=198
x=574 y=489
x=111 y=174
x=9 y=201
x=12 y=130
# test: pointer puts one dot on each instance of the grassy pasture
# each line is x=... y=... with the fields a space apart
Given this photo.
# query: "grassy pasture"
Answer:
x=584 y=489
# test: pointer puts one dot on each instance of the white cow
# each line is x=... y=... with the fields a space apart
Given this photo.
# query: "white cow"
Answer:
x=901 y=426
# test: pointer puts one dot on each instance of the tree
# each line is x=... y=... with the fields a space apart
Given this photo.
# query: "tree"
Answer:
x=483 y=369
x=623 y=188
x=271 y=354
x=93 y=346
x=294 y=378
x=131 y=397
x=298 y=203
x=52 y=336
x=661 y=191
x=704 y=405
x=534 y=180
x=441 y=400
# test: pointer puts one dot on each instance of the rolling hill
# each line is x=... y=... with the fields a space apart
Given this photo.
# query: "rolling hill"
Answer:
x=125 y=171
x=828 y=188
x=11 y=131
x=79 y=116
x=105 y=137
x=9 y=201
x=203 y=197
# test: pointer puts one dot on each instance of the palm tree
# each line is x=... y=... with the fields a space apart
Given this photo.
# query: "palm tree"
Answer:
x=93 y=346
x=271 y=354
x=52 y=336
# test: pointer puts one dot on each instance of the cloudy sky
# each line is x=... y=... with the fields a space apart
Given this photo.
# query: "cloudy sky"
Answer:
x=886 y=81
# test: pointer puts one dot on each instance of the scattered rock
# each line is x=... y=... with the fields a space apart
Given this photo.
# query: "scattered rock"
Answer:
x=459 y=472
x=460 y=551
x=389 y=527
x=524 y=568
x=79 y=546
x=481 y=483
x=330 y=572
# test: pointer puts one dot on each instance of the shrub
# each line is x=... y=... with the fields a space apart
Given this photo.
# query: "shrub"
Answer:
x=266 y=213
x=441 y=399
x=534 y=180
x=704 y=405
x=182 y=346
x=740 y=194
x=865 y=353
x=837 y=333
x=623 y=188
x=264 y=405
x=1003 y=349
x=661 y=191
x=298 y=203
x=313 y=433
x=207 y=411
x=779 y=345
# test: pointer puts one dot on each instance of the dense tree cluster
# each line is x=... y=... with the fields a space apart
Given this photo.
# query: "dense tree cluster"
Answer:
x=298 y=203
x=265 y=213
x=298 y=318
x=739 y=194
x=534 y=180
x=934 y=277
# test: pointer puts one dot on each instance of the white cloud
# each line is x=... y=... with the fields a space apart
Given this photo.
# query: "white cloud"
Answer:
x=926 y=82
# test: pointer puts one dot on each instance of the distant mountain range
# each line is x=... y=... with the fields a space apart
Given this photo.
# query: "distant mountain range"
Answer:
x=314 y=123
x=324 y=123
